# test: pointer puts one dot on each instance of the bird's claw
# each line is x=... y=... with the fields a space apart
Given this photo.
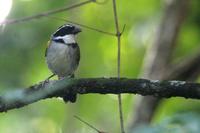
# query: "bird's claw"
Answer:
x=45 y=82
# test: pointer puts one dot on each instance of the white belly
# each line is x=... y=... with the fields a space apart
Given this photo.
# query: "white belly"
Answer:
x=61 y=59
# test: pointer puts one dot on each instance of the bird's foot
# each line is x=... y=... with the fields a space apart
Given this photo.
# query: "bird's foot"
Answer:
x=47 y=80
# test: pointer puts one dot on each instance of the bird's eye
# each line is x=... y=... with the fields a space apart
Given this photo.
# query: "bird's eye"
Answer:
x=71 y=28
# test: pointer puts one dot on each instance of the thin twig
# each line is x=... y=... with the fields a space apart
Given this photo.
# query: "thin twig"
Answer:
x=85 y=26
x=101 y=2
x=88 y=124
x=118 y=34
x=47 y=14
x=124 y=27
x=44 y=14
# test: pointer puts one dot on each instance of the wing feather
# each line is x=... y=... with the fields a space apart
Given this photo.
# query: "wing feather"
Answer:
x=48 y=43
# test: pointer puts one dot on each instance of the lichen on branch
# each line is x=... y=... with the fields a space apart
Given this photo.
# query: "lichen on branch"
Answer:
x=61 y=88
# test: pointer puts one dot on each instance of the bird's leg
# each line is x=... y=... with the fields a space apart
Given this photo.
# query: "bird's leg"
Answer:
x=72 y=76
x=47 y=79
x=50 y=77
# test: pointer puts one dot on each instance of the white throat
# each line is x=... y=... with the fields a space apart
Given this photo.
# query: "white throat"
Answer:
x=67 y=38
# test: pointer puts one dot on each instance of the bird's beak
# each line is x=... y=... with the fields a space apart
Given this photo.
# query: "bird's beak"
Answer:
x=77 y=30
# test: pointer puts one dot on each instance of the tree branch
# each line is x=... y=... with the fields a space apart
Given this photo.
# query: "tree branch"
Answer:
x=61 y=88
x=45 y=14
x=186 y=69
x=158 y=57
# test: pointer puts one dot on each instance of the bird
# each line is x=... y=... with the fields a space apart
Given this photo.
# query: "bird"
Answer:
x=63 y=54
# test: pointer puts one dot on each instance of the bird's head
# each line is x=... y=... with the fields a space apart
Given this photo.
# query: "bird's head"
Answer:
x=66 y=34
x=67 y=29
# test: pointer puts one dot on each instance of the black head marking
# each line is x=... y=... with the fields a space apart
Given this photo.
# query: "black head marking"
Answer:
x=66 y=30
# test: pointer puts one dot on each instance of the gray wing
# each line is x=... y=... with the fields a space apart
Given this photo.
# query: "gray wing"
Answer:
x=47 y=49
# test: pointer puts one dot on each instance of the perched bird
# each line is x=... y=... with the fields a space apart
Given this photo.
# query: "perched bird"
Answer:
x=63 y=54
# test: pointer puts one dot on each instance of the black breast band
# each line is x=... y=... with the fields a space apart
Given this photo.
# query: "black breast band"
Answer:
x=73 y=45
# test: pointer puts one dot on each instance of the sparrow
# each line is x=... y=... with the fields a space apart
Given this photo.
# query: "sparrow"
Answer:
x=63 y=54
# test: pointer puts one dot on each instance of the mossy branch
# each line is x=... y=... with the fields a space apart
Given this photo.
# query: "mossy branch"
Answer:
x=61 y=88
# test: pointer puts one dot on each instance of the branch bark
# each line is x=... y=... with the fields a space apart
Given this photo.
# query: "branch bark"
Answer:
x=61 y=88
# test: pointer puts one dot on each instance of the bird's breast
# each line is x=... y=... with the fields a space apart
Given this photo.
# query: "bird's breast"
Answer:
x=61 y=59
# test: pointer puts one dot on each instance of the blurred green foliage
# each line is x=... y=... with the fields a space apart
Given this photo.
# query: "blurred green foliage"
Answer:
x=22 y=62
x=180 y=123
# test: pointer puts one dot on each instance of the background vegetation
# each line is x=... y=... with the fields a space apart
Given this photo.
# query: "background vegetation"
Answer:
x=22 y=62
